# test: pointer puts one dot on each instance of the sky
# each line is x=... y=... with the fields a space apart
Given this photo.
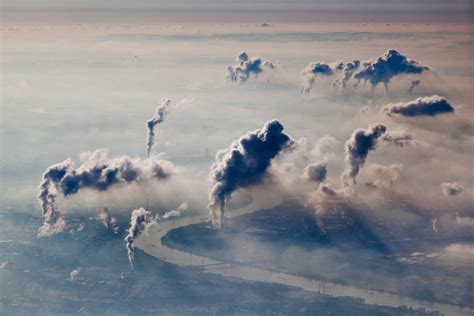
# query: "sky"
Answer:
x=81 y=80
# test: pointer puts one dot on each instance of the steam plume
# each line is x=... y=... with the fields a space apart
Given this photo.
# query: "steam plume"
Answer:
x=243 y=164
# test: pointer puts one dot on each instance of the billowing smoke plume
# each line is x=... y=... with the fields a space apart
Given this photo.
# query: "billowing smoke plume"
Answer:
x=316 y=171
x=413 y=85
x=358 y=146
x=139 y=220
x=423 y=106
x=97 y=172
x=246 y=66
x=451 y=188
x=243 y=164
x=159 y=117
x=315 y=70
x=384 y=68
x=175 y=213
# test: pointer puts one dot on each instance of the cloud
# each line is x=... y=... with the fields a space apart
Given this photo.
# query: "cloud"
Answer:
x=316 y=171
x=244 y=164
x=247 y=66
x=97 y=172
x=423 y=106
x=159 y=117
x=451 y=188
x=358 y=146
x=384 y=68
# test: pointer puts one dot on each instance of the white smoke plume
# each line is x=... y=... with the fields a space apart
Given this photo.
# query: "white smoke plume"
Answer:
x=176 y=212
x=74 y=274
x=139 y=220
x=159 y=117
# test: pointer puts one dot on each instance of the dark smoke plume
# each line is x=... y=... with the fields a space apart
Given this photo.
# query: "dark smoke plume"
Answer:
x=159 y=117
x=243 y=164
x=413 y=85
x=315 y=70
x=358 y=146
x=97 y=172
x=247 y=66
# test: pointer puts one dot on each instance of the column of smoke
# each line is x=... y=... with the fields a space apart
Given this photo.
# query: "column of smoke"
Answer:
x=97 y=172
x=413 y=85
x=159 y=117
x=362 y=141
x=357 y=148
x=139 y=220
x=243 y=164
x=52 y=222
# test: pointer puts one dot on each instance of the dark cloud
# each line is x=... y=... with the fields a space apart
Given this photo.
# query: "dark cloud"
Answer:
x=243 y=164
x=97 y=172
x=413 y=85
x=451 y=188
x=423 y=106
x=159 y=117
x=246 y=66
x=384 y=68
x=358 y=146
x=316 y=171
